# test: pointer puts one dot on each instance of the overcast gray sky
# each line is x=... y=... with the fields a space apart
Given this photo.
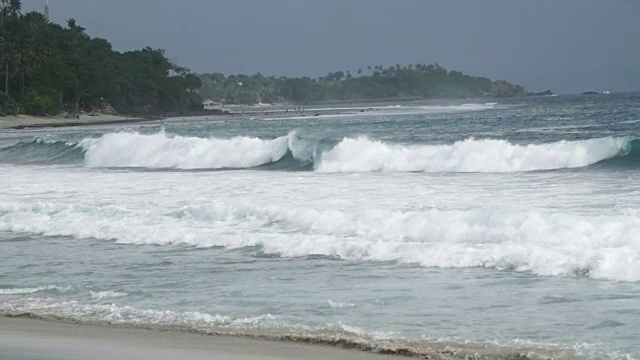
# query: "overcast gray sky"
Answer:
x=567 y=45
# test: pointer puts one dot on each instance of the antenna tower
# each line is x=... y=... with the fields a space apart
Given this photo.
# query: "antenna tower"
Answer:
x=46 y=9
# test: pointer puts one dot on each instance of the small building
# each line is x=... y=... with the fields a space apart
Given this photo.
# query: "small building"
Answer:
x=210 y=104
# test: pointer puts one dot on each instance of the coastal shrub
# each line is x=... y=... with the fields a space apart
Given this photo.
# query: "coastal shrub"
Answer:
x=10 y=106
x=40 y=105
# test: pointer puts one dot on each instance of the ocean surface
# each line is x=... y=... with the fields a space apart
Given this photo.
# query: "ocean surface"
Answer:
x=501 y=227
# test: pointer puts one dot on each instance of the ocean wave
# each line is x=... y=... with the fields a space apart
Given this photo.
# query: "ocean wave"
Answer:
x=296 y=152
x=542 y=243
x=161 y=151
x=101 y=295
x=340 y=305
x=75 y=311
x=29 y=291
x=42 y=151
x=281 y=328
x=471 y=155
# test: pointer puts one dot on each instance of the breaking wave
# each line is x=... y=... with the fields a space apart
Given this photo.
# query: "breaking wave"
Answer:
x=161 y=151
x=471 y=155
x=295 y=152
x=101 y=295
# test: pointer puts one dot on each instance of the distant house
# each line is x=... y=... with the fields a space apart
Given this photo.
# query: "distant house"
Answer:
x=210 y=104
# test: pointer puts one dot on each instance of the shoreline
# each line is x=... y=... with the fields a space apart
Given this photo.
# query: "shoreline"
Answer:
x=232 y=112
x=28 y=122
x=19 y=122
x=24 y=333
x=23 y=338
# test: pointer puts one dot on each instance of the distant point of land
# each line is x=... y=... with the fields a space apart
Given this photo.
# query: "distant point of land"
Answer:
x=366 y=84
x=543 y=93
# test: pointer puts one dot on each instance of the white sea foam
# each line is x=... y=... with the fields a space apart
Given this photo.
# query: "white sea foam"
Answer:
x=543 y=243
x=391 y=110
x=365 y=155
x=162 y=151
x=413 y=108
x=28 y=291
x=340 y=305
x=127 y=315
x=350 y=155
x=101 y=295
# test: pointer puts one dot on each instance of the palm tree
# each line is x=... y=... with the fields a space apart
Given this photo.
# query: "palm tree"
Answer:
x=10 y=8
x=15 y=7
x=71 y=23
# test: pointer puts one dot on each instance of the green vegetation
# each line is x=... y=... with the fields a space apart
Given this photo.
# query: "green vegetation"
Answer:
x=47 y=69
x=419 y=81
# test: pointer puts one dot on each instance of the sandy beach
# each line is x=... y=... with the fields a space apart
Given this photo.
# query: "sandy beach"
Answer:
x=27 y=121
x=30 y=339
x=266 y=113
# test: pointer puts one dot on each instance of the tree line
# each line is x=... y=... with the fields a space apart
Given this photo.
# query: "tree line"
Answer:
x=373 y=83
x=48 y=68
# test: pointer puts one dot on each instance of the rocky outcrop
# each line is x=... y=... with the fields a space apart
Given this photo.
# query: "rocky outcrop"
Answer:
x=542 y=93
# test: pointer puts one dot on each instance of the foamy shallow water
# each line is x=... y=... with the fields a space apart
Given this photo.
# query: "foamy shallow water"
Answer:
x=412 y=229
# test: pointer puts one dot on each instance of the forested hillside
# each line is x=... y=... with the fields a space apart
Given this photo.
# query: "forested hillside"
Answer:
x=372 y=83
x=47 y=68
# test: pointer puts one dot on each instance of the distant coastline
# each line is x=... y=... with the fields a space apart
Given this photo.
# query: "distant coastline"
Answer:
x=371 y=84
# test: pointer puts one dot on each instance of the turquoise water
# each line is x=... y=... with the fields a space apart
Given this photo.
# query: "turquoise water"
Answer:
x=500 y=227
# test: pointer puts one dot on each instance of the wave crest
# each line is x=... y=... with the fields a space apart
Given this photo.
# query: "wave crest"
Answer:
x=29 y=291
x=101 y=295
x=359 y=154
x=295 y=152
x=365 y=155
x=161 y=151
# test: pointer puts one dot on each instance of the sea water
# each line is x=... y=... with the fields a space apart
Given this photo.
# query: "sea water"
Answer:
x=502 y=227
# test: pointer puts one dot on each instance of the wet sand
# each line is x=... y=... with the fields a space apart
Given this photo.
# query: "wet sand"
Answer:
x=31 y=339
x=27 y=121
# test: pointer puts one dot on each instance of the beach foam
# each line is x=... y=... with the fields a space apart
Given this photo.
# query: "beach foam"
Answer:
x=271 y=327
x=543 y=243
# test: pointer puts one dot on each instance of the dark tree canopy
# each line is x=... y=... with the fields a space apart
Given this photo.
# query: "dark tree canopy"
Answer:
x=47 y=68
